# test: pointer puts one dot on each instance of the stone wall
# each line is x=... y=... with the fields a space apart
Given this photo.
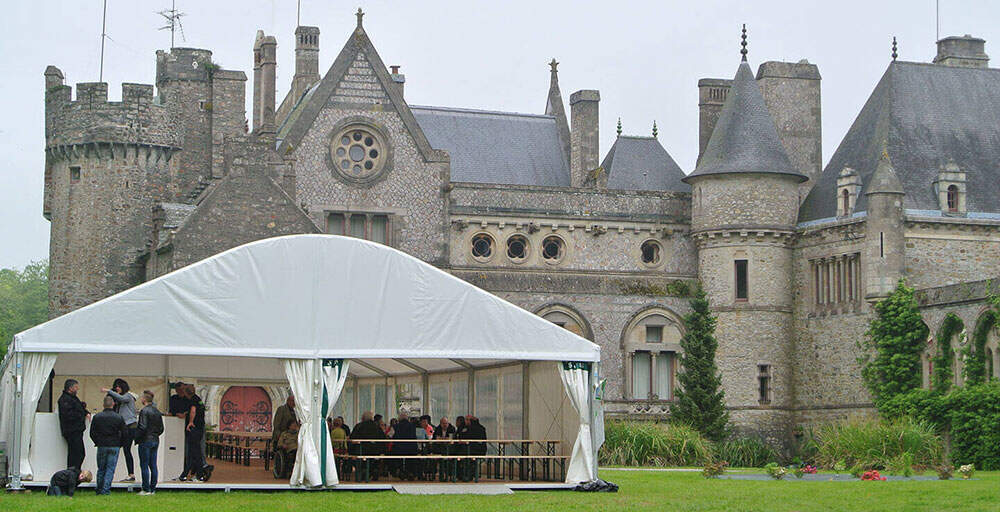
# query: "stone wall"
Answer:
x=744 y=200
x=948 y=251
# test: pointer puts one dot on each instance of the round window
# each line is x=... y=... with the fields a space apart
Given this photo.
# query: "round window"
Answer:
x=357 y=152
x=651 y=252
x=553 y=249
x=517 y=248
x=482 y=247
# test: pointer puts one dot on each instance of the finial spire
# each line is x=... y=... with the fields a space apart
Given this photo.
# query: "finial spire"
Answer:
x=553 y=65
x=655 y=131
x=894 y=48
x=619 y=127
x=743 y=43
x=360 y=14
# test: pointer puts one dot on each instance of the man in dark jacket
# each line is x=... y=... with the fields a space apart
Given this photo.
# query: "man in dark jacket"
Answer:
x=72 y=422
x=405 y=429
x=107 y=430
x=194 y=434
x=64 y=482
x=367 y=429
x=148 y=432
x=475 y=430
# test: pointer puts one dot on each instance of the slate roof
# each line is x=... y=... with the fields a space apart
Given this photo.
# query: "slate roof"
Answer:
x=641 y=163
x=744 y=139
x=496 y=147
x=924 y=115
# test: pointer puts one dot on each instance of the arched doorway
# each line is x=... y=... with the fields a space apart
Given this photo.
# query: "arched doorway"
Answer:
x=245 y=409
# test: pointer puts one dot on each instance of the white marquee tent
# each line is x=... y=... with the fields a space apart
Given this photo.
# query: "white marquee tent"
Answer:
x=299 y=308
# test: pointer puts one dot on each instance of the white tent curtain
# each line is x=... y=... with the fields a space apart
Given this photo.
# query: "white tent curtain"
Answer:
x=581 y=468
x=35 y=372
x=7 y=404
x=334 y=376
x=306 y=386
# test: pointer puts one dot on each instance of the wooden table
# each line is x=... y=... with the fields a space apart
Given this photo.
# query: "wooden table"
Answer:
x=500 y=464
x=239 y=446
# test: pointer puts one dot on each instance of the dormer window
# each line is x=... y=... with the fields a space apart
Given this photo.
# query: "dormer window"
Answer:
x=848 y=188
x=953 y=198
x=950 y=188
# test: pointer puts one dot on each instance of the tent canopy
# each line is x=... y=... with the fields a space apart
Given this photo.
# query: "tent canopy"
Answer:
x=313 y=296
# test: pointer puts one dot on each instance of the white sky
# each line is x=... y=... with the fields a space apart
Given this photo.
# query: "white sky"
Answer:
x=645 y=58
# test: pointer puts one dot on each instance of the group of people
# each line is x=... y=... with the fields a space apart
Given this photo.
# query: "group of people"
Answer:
x=406 y=433
x=121 y=423
x=115 y=428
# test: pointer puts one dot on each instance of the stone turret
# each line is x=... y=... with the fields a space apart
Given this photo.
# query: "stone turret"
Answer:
x=104 y=163
x=884 y=232
x=306 y=69
x=744 y=209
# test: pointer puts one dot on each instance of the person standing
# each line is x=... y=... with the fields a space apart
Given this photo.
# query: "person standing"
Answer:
x=193 y=435
x=63 y=483
x=72 y=422
x=148 y=431
x=125 y=406
x=107 y=430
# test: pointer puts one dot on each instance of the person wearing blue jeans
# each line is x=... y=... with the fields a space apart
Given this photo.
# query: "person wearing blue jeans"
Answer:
x=148 y=432
x=108 y=431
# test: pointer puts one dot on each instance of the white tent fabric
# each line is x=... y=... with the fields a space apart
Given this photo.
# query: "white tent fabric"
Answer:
x=334 y=377
x=317 y=295
x=302 y=378
x=581 y=467
x=35 y=372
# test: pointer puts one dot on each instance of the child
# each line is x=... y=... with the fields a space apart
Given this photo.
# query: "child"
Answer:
x=289 y=440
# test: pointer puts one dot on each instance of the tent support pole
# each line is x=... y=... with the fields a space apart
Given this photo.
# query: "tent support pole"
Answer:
x=591 y=379
x=317 y=404
x=525 y=402
x=14 y=452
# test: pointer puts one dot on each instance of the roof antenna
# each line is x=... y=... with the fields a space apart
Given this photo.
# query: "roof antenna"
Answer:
x=619 y=127
x=655 y=131
x=894 y=52
x=743 y=51
x=937 y=19
x=173 y=18
x=298 y=13
x=104 y=35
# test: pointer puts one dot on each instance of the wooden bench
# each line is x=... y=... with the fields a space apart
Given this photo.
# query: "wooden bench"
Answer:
x=447 y=465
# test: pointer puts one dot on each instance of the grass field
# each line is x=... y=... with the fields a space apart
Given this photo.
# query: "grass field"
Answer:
x=640 y=490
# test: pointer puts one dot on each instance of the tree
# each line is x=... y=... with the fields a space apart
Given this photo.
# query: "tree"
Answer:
x=700 y=399
x=893 y=345
x=24 y=300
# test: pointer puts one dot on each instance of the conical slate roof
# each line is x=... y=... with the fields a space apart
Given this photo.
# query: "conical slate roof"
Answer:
x=885 y=180
x=641 y=163
x=744 y=139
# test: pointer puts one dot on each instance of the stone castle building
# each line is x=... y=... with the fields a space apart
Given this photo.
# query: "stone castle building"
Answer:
x=791 y=253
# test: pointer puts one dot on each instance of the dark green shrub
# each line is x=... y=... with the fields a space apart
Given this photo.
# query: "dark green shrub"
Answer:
x=700 y=401
x=893 y=345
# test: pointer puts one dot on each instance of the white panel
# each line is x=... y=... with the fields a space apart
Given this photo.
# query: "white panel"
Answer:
x=48 y=450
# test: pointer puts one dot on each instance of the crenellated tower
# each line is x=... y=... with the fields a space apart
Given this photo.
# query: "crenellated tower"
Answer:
x=105 y=164
x=108 y=162
x=744 y=210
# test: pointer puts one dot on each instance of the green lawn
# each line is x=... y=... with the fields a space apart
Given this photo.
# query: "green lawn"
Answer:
x=640 y=490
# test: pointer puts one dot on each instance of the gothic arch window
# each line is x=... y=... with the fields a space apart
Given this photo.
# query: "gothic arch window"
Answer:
x=568 y=318
x=650 y=345
x=845 y=201
x=952 y=198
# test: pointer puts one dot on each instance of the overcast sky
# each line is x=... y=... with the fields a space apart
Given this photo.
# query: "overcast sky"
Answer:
x=645 y=58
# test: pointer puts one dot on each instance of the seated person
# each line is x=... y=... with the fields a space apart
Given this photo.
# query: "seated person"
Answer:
x=404 y=430
x=367 y=429
x=64 y=482
x=338 y=436
x=289 y=439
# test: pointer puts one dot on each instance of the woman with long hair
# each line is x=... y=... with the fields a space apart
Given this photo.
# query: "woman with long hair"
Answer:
x=125 y=406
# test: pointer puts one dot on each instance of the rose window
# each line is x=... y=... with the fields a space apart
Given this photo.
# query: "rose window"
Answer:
x=357 y=152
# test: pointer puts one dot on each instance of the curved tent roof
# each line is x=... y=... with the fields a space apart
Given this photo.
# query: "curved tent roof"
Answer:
x=309 y=296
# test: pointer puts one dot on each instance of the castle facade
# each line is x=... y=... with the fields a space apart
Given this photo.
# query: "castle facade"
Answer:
x=791 y=253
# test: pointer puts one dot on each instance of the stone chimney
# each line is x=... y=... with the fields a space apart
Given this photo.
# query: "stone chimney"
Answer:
x=792 y=94
x=712 y=94
x=965 y=51
x=585 y=135
x=264 y=64
x=398 y=79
